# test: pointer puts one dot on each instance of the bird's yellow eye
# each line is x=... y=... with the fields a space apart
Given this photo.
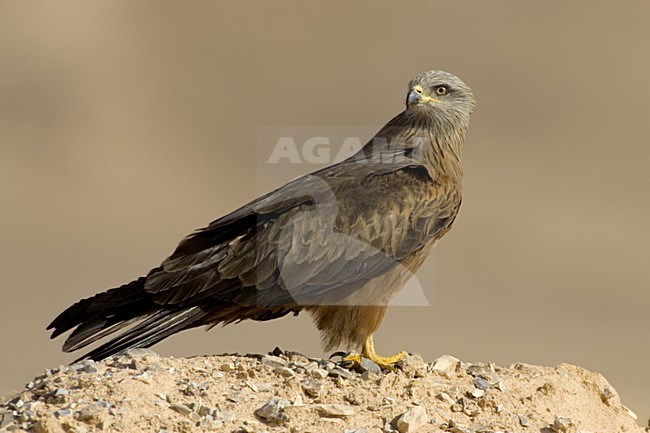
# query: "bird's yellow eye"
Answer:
x=441 y=90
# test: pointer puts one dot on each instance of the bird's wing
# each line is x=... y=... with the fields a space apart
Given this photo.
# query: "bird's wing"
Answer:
x=314 y=240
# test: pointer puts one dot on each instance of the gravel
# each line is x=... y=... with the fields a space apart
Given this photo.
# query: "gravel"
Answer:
x=140 y=391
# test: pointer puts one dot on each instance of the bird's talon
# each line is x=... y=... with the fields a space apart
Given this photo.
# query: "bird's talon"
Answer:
x=349 y=365
x=340 y=353
x=351 y=360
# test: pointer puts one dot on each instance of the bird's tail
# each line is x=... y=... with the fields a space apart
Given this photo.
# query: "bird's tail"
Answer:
x=110 y=311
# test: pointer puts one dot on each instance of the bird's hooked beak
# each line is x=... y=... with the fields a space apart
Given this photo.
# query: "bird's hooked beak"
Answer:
x=416 y=96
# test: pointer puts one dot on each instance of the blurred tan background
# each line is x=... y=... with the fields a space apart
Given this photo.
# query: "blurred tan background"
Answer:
x=125 y=125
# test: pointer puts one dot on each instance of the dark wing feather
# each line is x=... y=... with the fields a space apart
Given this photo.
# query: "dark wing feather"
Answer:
x=314 y=240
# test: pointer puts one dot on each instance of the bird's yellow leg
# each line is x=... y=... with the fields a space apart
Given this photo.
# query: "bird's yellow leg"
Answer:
x=368 y=352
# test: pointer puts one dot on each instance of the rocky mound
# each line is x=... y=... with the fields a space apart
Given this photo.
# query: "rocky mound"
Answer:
x=288 y=392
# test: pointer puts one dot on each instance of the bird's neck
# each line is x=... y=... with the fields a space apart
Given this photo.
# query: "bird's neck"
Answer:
x=437 y=146
x=440 y=151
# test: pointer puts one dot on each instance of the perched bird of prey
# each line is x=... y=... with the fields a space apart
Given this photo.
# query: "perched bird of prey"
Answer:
x=338 y=243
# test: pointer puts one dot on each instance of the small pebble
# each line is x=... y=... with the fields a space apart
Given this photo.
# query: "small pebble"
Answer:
x=143 y=377
x=561 y=424
x=455 y=427
x=90 y=412
x=205 y=411
x=235 y=398
x=91 y=368
x=284 y=372
x=477 y=393
x=181 y=408
x=334 y=410
x=629 y=412
x=62 y=412
x=273 y=361
x=273 y=411
x=139 y=352
x=337 y=371
x=446 y=398
x=17 y=403
x=263 y=387
x=606 y=395
x=412 y=419
x=445 y=365
x=227 y=367
x=481 y=383
x=369 y=366
x=312 y=388
x=318 y=373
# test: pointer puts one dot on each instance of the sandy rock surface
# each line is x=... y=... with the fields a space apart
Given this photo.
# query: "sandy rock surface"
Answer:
x=288 y=392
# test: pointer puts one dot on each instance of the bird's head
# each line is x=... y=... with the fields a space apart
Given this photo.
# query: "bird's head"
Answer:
x=441 y=98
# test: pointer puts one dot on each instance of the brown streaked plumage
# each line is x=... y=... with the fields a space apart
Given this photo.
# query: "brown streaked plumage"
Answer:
x=339 y=242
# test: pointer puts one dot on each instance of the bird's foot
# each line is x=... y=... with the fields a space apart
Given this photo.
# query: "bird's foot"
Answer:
x=390 y=363
x=354 y=360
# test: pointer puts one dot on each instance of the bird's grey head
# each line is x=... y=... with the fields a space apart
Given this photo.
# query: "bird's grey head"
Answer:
x=440 y=98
